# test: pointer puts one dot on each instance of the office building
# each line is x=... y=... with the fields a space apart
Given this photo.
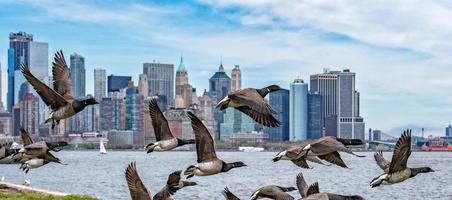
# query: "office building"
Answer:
x=235 y=121
x=180 y=123
x=134 y=109
x=315 y=117
x=120 y=138
x=236 y=79
x=113 y=114
x=376 y=135
x=183 y=98
x=100 y=84
x=116 y=83
x=298 y=113
x=161 y=80
x=2 y=108
x=279 y=101
x=77 y=67
x=339 y=99
x=449 y=131
x=219 y=85
x=143 y=85
x=29 y=113
x=205 y=114
x=6 y=124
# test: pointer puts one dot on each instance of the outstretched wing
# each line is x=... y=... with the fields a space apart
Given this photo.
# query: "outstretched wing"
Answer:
x=49 y=96
x=26 y=139
x=159 y=122
x=302 y=186
x=313 y=189
x=402 y=152
x=229 y=195
x=137 y=189
x=205 y=147
x=381 y=161
x=62 y=81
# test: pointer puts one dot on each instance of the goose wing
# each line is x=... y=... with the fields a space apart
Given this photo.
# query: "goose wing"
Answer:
x=137 y=189
x=62 y=81
x=50 y=97
x=301 y=162
x=205 y=148
x=26 y=139
x=50 y=157
x=159 y=122
x=229 y=195
x=329 y=144
x=302 y=186
x=251 y=98
x=264 y=119
x=381 y=161
x=402 y=152
x=333 y=157
x=313 y=189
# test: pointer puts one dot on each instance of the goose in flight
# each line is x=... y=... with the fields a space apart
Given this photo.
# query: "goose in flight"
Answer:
x=397 y=170
x=251 y=102
x=165 y=139
x=60 y=98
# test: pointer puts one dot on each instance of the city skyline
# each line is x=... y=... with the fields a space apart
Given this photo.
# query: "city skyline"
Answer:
x=400 y=75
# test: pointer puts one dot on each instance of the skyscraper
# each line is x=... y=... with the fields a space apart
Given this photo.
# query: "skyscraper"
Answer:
x=298 y=110
x=449 y=131
x=100 y=84
x=23 y=50
x=116 y=83
x=134 y=107
x=2 y=108
x=219 y=85
x=340 y=101
x=315 y=117
x=279 y=101
x=236 y=79
x=77 y=67
x=183 y=88
x=235 y=121
x=161 y=80
x=113 y=114
x=143 y=85
x=29 y=113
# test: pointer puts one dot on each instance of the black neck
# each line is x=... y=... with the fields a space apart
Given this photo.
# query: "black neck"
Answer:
x=263 y=92
x=417 y=170
x=229 y=166
x=79 y=105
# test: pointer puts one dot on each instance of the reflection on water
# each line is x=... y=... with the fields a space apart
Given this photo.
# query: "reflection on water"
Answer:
x=90 y=173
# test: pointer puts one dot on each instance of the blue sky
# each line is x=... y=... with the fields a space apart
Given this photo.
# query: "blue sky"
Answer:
x=399 y=50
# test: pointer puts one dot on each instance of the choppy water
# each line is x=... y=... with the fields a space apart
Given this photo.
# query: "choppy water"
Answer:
x=103 y=175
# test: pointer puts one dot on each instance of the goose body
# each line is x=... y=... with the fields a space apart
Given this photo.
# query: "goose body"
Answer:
x=208 y=162
x=397 y=170
x=5 y=151
x=312 y=192
x=273 y=192
x=165 y=140
x=251 y=102
x=294 y=154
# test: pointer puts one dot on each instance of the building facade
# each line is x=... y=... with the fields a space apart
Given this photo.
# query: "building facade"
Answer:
x=100 y=84
x=78 y=75
x=298 y=110
x=143 y=85
x=113 y=114
x=315 y=117
x=279 y=101
x=29 y=113
x=236 y=78
x=235 y=121
x=161 y=80
x=116 y=83
x=449 y=131
x=184 y=90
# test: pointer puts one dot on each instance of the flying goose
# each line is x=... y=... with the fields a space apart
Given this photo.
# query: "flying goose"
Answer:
x=60 y=98
x=53 y=146
x=165 y=139
x=327 y=148
x=313 y=193
x=208 y=162
x=273 y=192
x=251 y=102
x=23 y=155
x=139 y=192
x=397 y=171
x=294 y=154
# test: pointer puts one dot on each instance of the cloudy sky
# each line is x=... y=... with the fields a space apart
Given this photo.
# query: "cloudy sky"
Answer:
x=400 y=50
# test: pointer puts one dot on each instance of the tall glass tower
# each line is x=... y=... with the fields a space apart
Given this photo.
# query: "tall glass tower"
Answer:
x=78 y=75
x=298 y=111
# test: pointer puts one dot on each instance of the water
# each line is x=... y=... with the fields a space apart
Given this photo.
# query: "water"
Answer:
x=90 y=173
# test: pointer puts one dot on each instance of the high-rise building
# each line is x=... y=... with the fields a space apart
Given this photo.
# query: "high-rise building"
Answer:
x=23 y=50
x=149 y=135
x=339 y=99
x=16 y=119
x=143 y=85
x=77 y=67
x=315 y=117
x=236 y=79
x=179 y=122
x=2 y=108
x=5 y=124
x=279 y=101
x=183 y=98
x=161 y=80
x=113 y=114
x=134 y=107
x=205 y=110
x=235 y=121
x=29 y=113
x=449 y=131
x=219 y=85
x=298 y=124
x=116 y=83
x=100 y=84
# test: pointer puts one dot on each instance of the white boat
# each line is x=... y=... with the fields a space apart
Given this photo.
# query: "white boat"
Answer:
x=251 y=149
x=102 y=149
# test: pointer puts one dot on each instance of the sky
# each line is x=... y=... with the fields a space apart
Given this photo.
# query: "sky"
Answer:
x=400 y=50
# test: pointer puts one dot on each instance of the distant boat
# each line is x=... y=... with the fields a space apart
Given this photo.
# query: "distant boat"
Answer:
x=102 y=149
x=251 y=149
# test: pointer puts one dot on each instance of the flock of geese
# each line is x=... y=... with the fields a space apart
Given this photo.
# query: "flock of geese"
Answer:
x=249 y=101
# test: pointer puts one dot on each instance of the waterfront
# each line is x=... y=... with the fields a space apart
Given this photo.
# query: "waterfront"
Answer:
x=90 y=173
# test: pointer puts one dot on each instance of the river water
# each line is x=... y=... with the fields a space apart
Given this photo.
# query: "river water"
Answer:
x=90 y=173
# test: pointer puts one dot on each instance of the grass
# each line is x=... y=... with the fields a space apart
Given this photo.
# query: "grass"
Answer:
x=18 y=196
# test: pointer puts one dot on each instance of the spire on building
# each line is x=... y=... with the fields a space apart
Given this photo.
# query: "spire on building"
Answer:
x=181 y=67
